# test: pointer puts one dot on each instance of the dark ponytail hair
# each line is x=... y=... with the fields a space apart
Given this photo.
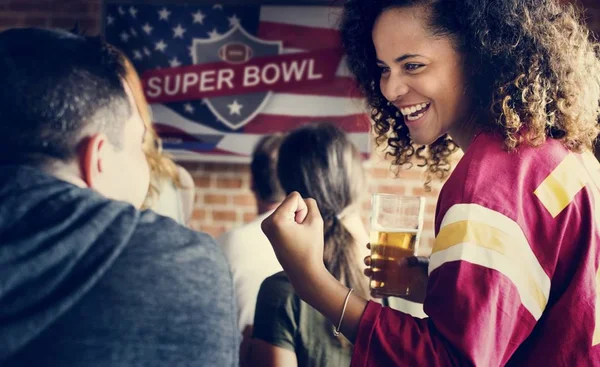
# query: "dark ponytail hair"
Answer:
x=320 y=162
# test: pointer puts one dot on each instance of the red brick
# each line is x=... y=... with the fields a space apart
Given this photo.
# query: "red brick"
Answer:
x=248 y=217
x=213 y=230
x=226 y=167
x=212 y=167
x=414 y=173
x=196 y=225
x=430 y=207
x=229 y=183
x=215 y=199
x=366 y=206
x=244 y=200
x=420 y=191
x=380 y=172
x=428 y=226
x=391 y=189
x=199 y=214
x=224 y=216
x=202 y=181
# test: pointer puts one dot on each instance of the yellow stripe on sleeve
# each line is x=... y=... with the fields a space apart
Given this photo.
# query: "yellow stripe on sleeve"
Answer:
x=561 y=186
x=481 y=236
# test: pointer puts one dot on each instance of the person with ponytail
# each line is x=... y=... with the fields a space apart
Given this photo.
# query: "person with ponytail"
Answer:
x=287 y=331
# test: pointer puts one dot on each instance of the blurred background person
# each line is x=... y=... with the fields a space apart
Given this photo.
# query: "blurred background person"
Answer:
x=247 y=249
x=171 y=192
x=320 y=162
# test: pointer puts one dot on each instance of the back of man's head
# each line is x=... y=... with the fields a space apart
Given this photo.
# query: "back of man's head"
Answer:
x=264 y=170
x=57 y=88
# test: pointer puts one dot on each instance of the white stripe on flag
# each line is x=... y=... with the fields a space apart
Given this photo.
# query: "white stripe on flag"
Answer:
x=244 y=143
x=301 y=105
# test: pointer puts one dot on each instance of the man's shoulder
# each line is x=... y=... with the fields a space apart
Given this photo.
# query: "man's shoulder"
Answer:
x=158 y=235
x=162 y=228
x=159 y=248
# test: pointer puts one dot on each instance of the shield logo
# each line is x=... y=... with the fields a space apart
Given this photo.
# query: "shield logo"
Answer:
x=236 y=46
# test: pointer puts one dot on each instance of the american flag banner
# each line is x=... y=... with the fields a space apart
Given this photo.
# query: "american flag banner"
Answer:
x=220 y=77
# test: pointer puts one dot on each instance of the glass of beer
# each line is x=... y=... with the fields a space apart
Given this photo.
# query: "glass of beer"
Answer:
x=396 y=224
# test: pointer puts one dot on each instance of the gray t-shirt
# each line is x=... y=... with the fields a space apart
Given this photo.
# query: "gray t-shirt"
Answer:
x=283 y=320
x=87 y=281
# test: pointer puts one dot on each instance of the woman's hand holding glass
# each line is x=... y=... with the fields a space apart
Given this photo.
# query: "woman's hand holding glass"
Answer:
x=415 y=265
x=396 y=226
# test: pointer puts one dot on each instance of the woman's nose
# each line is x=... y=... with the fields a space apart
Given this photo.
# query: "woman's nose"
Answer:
x=394 y=87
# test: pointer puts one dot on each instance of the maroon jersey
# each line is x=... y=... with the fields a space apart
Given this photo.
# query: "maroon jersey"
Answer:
x=514 y=271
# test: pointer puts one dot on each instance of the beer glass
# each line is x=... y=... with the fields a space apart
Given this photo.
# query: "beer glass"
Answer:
x=396 y=225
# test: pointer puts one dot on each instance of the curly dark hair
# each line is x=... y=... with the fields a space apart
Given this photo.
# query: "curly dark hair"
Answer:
x=532 y=72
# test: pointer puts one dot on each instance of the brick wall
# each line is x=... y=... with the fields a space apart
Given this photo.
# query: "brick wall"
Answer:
x=223 y=198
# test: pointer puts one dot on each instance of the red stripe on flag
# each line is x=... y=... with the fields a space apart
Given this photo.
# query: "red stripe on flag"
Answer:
x=269 y=124
x=339 y=87
x=294 y=36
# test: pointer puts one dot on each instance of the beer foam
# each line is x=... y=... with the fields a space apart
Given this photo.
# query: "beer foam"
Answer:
x=379 y=228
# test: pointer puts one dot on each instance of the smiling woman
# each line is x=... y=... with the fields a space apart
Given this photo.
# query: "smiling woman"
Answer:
x=420 y=75
x=514 y=274
x=500 y=68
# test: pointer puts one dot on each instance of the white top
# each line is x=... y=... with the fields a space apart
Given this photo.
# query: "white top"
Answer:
x=168 y=203
x=251 y=259
x=174 y=202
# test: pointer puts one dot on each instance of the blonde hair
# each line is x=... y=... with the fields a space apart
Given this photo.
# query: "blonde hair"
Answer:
x=161 y=166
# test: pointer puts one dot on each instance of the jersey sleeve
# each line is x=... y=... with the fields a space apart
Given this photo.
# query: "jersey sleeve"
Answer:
x=485 y=294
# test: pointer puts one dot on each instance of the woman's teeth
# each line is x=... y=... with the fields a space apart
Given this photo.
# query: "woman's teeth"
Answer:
x=413 y=118
x=415 y=112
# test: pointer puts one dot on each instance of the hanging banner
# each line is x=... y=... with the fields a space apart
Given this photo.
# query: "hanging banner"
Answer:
x=220 y=77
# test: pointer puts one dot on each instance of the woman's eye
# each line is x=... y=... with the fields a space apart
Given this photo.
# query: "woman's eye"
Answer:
x=413 y=67
x=384 y=69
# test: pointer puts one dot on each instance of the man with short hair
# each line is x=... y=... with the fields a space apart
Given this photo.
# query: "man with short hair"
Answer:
x=85 y=278
x=246 y=248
